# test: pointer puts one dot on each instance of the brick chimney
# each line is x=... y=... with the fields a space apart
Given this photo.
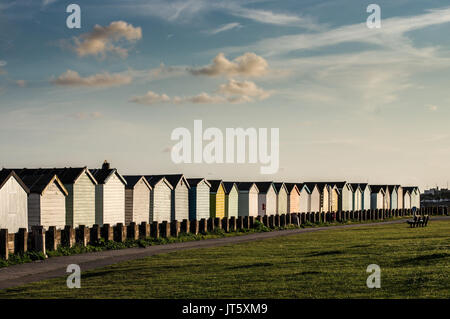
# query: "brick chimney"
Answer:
x=106 y=165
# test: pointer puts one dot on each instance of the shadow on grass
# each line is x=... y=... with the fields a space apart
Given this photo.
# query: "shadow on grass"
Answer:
x=326 y=253
x=423 y=259
x=251 y=266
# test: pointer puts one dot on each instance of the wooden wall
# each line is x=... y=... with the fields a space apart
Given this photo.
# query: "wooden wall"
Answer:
x=232 y=203
x=160 y=203
x=80 y=204
x=13 y=206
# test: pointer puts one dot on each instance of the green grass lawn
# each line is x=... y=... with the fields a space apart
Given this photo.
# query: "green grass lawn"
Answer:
x=415 y=263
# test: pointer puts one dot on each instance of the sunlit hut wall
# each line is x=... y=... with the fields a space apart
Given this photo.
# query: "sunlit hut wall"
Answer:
x=282 y=198
x=80 y=186
x=46 y=201
x=366 y=196
x=377 y=196
x=217 y=199
x=231 y=199
x=305 y=198
x=180 y=196
x=356 y=197
x=399 y=196
x=137 y=199
x=414 y=196
x=417 y=197
x=109 y=195
x=334 y=198
x=345 y=195
x=199 y=198
x=248 y=199
x=13 y=202
x=324 y=197
x=393 y=196
x=293 y=198
x=406 y=198
x=314 y=197
x=160 y=198
x=267 y=198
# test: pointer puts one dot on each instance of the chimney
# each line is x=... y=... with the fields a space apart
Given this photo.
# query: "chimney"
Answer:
x=106 y=165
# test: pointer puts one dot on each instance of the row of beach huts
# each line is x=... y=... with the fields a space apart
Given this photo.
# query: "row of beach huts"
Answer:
x=81 y=196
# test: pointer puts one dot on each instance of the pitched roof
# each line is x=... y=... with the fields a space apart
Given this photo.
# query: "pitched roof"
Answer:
x=410 y=188
x=102 y=175
x=132 y=180
x=215 y=184
x=302 y=186
x=195 y=181
x=263 y=186
x=173 y=179
x=67 y=175
x=377 y=188
x=391 y=188
x=245 y=186
x=363 y=186
x=5 y=175
x=290 y=187
x=278 y=186
x=39 y=183
x=229 y=186
x=153 y=180
x=311 y=186
x=355 y=186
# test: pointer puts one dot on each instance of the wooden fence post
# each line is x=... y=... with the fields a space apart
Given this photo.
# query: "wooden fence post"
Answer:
x=175 y=228
x=4 y=247
x=193 y=227
x=107 y=232
x=51 y=238
x=82 y=235
x=21 y=244
x=38 y=239
x=144 y=230
x=133 y=231
x=95 y=234
x=155 y=230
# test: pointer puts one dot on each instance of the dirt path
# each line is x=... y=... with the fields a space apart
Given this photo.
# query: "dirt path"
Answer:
x=18 y=275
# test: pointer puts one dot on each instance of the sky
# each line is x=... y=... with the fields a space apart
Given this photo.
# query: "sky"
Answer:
x=351 y=103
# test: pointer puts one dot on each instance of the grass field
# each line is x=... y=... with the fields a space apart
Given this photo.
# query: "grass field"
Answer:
x=415 y=263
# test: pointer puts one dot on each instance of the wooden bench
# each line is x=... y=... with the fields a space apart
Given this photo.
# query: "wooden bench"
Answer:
x=419 y=221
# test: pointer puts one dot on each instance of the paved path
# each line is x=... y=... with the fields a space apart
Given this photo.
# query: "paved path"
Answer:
x=18 y=275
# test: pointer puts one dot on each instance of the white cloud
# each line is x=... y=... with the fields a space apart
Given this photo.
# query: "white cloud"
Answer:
x=202 y=98
x=249 y=65
x=72 y=78
x=243 y=88
x=151 y=98
x=389 y=35
x=225 y=27
x=102 y=39
x=185 y=11
x=270 y=17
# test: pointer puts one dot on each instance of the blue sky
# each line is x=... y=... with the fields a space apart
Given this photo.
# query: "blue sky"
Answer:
x=351 y=102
